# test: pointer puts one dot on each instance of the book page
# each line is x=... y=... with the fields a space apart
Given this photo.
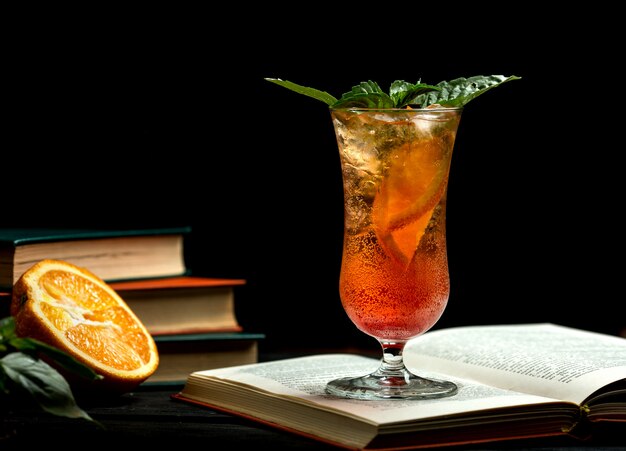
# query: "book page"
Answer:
x=542 y=359
x=303 y=379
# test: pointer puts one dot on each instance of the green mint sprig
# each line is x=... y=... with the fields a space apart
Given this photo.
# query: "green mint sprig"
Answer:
x=402 y=94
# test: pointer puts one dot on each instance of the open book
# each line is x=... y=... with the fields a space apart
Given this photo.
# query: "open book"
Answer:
x=515 y=381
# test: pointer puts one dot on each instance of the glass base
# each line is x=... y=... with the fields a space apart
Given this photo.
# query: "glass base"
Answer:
x=378 y=385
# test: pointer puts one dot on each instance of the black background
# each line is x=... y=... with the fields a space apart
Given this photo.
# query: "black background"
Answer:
x=161 y=118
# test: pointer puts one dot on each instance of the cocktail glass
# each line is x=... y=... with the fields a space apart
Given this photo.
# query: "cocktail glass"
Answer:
x=394 y=279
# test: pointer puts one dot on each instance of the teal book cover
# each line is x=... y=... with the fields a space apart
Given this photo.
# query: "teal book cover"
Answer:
x=180 y=355
x=11 y=237
x=212 y=336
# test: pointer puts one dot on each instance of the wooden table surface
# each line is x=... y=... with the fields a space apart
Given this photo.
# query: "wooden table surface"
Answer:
x=150 y=417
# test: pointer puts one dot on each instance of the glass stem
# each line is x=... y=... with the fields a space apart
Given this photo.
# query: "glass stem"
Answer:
x=392 y=363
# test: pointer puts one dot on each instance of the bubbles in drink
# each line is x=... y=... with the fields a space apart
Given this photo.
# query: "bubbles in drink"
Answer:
x=394 y=276
x=387 y=300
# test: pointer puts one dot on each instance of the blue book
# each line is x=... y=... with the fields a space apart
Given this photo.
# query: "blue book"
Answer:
x=115 y=254
x=182 y=354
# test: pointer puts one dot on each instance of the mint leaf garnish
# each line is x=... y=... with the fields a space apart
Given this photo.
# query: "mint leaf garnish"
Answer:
x=404 y=93
x=459 y=92
x=311 y=92
x=368 y=94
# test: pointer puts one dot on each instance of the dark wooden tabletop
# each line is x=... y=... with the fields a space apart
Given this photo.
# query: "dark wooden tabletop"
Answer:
x=150 y=417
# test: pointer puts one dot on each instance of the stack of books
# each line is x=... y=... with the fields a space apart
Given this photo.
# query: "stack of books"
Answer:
x=192 y=318
x=193 y=322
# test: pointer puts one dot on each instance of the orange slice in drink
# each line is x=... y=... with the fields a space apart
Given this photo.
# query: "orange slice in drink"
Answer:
x=408 y=195
x=75 y=311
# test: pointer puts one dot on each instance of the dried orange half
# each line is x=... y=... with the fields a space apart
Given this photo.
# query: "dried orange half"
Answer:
x=72 y=309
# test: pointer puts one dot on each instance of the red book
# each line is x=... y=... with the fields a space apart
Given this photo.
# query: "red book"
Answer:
x=5 y=304
x=182 y=305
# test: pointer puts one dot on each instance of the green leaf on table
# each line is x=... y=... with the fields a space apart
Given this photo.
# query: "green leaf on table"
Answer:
x=9 y=340
x=7 y=332
x=7 y=328
x=66 y=361
x=46 y=386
